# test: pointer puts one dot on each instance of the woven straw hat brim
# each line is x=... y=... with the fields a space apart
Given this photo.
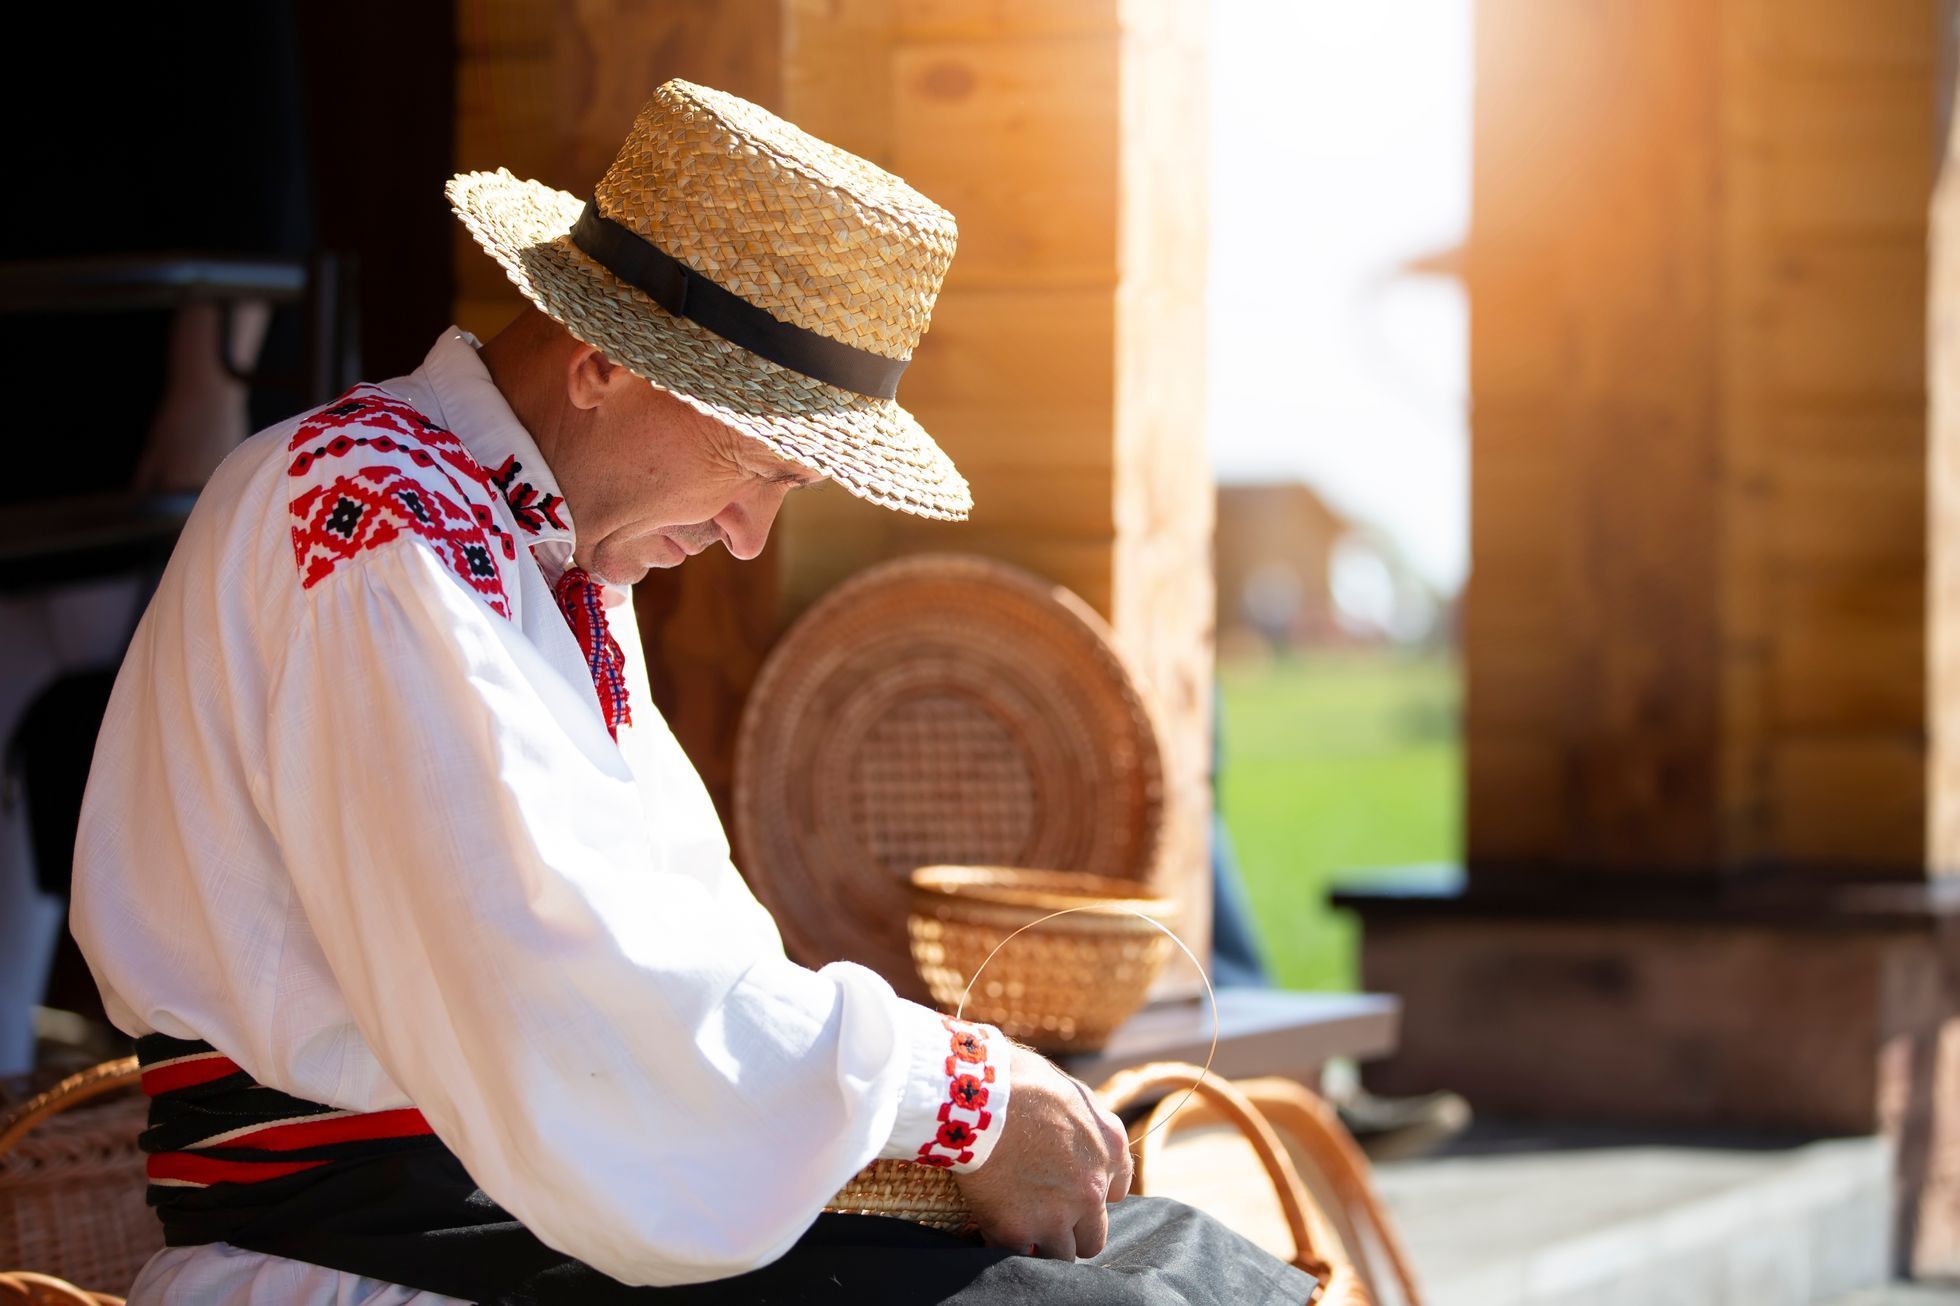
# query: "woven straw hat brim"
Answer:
x=872 y=447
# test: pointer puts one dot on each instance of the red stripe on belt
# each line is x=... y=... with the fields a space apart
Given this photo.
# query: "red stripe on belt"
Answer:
x=187 y=1073
x=186 y=1167
x=402 y=1122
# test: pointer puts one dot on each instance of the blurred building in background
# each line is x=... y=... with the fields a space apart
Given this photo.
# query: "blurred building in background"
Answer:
x=1294 y=573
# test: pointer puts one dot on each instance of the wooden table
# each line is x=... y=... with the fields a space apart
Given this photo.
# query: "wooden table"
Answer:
x=1260 y=1032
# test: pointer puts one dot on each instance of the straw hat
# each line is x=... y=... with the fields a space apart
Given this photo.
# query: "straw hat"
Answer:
x=768 y=279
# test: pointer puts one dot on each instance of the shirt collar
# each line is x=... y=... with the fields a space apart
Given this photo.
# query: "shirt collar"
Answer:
x=467 y=402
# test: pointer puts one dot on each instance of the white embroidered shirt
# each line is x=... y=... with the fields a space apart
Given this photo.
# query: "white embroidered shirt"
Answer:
x=357 y=820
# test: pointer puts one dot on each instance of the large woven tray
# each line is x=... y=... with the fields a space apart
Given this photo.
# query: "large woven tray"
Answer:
x=936 y=709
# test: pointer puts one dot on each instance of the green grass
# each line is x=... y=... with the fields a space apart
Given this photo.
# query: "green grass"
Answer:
x=1333 y=765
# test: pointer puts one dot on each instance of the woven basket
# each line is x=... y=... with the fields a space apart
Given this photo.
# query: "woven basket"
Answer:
x=1314 y=1220
x=1062 y=986
x=936 y=709
x=71 y=1181
x=905 y=1190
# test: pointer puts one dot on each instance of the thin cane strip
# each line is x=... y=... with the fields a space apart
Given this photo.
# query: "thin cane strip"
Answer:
x=1168 y=933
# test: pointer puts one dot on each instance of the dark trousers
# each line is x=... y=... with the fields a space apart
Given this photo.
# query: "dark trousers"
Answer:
x=417 y=1219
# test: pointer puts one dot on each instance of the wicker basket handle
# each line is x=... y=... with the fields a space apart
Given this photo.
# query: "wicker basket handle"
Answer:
x=1340 y=1282
x=72 y=1091
x=23 y=1288
x=1305 y=1118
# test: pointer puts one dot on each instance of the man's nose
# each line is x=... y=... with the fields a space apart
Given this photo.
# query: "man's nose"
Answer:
x=745 y=523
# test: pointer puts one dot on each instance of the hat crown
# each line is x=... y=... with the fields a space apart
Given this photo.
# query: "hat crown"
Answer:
x=813 y=235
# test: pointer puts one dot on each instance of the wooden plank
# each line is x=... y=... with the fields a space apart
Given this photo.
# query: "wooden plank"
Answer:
x=1048 y=345
x=1824 y=113
x=837 y=80
x=1519 y=499
x=1515 y=689
x=504 y=27
x=484 y=318
x=1874 y=35
x=1846 y=321
x=1524 y=604
x=1059 y=503
x=1890 y=434
x=1515 y=792
x=1520 y=351
x=1847 y=509
x=939 y=20
x=612 y=53
x=1849 y=649
x=1019 y=140
x=505 y=113
x=1850 y=802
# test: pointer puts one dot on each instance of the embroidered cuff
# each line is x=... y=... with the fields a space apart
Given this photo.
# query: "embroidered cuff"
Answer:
x=955 y=1099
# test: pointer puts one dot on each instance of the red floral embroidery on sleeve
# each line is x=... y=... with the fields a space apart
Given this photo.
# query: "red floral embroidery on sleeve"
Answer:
x=963 y=1116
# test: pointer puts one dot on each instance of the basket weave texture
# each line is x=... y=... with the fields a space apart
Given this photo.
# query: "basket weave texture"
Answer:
x=1062 y=985
x=905 y=1190
x=937 y=709
x=71 y=1182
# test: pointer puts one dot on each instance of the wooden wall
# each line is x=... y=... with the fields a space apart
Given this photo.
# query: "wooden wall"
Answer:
x=1696 y=628
x=1063 y=371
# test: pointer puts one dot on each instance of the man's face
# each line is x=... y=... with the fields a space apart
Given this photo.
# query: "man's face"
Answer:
x=656 y=482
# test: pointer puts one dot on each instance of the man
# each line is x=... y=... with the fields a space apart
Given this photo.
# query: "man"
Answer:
x=444 y=985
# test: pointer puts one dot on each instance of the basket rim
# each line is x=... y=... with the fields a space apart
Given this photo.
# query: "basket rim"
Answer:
x=1032 y=887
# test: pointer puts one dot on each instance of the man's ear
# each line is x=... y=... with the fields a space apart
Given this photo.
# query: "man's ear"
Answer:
x=591 y=377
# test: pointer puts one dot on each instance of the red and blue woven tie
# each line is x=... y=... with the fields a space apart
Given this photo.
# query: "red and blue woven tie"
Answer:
x=579 y=599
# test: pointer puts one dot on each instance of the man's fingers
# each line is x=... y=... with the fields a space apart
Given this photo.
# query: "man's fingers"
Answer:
x=1119 y=1182
x=1092 y=1234
x=1121 y=1164
x=1059 y=1246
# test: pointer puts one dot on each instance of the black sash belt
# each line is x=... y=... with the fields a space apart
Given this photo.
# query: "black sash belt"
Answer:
x=684 y=292
x=378 y=1200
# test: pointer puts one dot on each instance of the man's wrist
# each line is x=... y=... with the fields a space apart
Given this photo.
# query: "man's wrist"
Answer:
x=954 y=1102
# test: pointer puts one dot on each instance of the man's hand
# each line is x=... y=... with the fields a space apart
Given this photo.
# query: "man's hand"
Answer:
x=1060 y=1161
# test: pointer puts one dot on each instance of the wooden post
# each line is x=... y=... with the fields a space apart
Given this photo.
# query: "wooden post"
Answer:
x=1711 y=798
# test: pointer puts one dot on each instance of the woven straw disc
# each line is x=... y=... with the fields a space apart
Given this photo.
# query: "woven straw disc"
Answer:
x=814 y=236
x=936 y=709
x=905 y=1190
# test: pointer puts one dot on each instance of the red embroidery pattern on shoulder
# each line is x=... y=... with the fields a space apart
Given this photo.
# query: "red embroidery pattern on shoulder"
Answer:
x=963 y=1116
x=367 y=506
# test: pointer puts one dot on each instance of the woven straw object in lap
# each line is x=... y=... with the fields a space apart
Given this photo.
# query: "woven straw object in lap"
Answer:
x=814 y=236
x=905 y=1190
x=71 y=1182
x=937 y=709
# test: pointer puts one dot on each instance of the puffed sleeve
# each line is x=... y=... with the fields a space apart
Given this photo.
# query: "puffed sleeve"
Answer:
x=618 y=1059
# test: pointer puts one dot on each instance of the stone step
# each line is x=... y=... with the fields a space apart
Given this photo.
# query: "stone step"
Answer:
x=1546 y=1215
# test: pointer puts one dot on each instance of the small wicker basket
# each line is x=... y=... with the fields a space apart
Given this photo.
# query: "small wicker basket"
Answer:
x=1062 y=987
